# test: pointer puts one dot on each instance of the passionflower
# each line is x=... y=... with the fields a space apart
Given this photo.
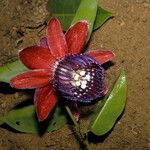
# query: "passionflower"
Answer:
x=57 y=66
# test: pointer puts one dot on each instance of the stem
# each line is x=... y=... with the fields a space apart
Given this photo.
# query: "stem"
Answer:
x=82 y=138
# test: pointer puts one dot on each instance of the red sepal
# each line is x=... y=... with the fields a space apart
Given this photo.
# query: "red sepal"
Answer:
x=45 y=99
x=36 y=57
x=76 y=37
x=56 y=39
x=74 y=109
x=102 y=56
x=31 y=79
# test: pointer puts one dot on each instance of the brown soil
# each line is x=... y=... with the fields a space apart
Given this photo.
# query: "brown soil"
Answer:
x=127 y=34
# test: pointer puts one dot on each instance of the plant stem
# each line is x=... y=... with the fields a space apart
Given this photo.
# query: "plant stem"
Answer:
x=82 y=138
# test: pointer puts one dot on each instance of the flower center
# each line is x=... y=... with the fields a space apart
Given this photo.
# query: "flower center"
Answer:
x=79 y=78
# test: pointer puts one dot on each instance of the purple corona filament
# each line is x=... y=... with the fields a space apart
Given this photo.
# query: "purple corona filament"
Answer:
x=79 y=78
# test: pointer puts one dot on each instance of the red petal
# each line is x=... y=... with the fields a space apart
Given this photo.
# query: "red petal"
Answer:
x=102 y=56
x=31 y=79
x=43 y=42
x=45 y=99
x=76 y=37
x=56 y=39
x=36 y=57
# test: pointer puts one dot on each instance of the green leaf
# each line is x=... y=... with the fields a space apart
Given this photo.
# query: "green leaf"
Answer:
x=87 y=11
x=24 y=120
x=101 y=17
x=10 y=70
x=107 y=115
x=64 y=10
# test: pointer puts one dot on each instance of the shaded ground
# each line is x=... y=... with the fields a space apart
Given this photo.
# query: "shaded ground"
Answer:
x=127 y=34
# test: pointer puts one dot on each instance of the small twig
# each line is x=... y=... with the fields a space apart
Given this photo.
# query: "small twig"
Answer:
x=82 y=136
x=38 y=26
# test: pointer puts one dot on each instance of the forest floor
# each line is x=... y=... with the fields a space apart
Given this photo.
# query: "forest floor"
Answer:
x=127 y=34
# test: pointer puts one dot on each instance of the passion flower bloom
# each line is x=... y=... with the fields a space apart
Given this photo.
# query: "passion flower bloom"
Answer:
x=57 y=66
